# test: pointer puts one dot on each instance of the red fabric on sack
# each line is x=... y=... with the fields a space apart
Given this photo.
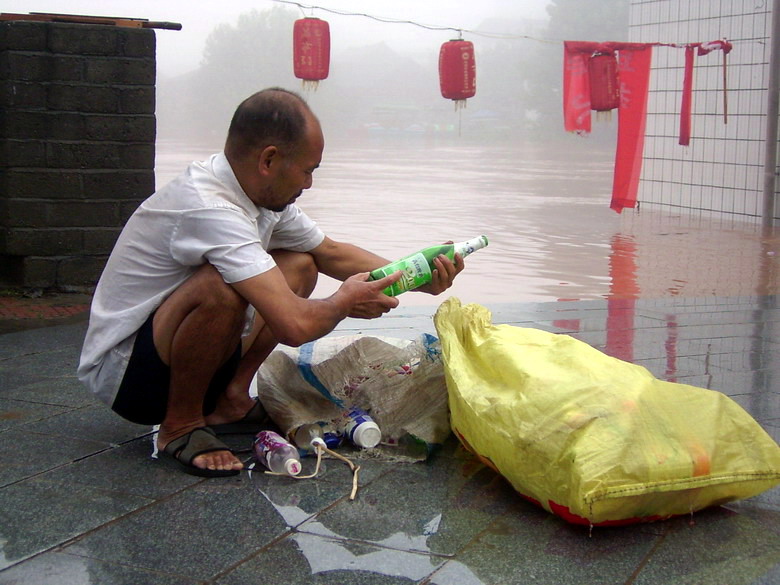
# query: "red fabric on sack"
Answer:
x=634 y=68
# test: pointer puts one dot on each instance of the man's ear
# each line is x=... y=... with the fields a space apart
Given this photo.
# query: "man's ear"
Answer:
x=269 y=159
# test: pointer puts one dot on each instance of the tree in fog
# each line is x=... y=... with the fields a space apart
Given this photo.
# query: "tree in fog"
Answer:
x=238 y=60
x=570 y=20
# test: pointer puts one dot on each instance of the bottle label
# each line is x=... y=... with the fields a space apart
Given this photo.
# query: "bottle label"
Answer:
x=352 y=419
x=415 y=272
x=268 y=441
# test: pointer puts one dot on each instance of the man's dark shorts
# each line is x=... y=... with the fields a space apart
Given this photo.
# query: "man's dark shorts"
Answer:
x=143 y=394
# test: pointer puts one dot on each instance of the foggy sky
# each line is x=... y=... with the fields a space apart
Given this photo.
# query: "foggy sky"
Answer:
x=181 y=51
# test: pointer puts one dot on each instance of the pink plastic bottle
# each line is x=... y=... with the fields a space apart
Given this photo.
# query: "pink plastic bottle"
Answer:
x=276 y=454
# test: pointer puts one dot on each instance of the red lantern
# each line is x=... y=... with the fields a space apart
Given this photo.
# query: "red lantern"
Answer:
x=604 y=84
x=457 y=71
x=311 y=50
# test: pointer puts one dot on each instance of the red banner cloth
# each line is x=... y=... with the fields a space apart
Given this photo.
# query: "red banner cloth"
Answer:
x=634 y=75
x=576 y=86
x=685 y=107
x=687 y=96
x=634 y=68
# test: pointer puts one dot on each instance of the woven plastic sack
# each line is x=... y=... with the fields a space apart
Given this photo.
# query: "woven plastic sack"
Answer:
x=399 y=382
x=591 y=438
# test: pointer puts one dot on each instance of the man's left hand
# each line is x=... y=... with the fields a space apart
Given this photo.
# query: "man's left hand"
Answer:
x=445 y=271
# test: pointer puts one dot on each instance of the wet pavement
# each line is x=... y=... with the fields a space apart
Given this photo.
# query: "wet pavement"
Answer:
x=82 y=501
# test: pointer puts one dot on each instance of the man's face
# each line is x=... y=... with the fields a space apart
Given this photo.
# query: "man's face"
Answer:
x=295 y=171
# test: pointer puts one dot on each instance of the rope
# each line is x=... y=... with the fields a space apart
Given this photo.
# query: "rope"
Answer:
x=321 y=449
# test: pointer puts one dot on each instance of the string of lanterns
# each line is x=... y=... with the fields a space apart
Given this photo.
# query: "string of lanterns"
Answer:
x=457 y=64
x=597 y=77
x=311 y=60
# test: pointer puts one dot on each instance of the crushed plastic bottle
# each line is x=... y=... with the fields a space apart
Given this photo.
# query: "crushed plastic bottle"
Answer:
x=306 y=436
x=331 y=436
x=276 y=454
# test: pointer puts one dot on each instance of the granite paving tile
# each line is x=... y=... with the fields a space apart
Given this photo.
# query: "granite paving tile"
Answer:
x=15 y=413
x=771 y=577
x=60 y=391
x=30 y=368
x=533 y=547
x=62 y=569
x=36 y=341
x=295 y=500
x=96 y=423
x=683 y=366
x=432 y=508
x=24 y=454
x=28 y=527
x=128 y=468
x=200 y=532
x=307 y=559
x=718 y=546
x=762 y=404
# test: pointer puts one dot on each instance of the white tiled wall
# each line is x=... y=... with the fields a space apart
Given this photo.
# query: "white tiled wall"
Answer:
x=722 y=168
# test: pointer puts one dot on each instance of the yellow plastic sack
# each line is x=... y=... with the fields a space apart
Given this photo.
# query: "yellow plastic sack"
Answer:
x=589 y=437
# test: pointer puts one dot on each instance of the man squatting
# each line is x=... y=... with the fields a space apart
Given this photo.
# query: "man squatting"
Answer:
x=215 y=269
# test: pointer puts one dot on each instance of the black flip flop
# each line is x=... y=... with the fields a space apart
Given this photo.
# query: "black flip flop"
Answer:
x=202 y=440
x=253 y=422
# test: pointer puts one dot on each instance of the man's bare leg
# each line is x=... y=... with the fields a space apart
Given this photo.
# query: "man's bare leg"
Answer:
x=196 y=329
x=301 y=273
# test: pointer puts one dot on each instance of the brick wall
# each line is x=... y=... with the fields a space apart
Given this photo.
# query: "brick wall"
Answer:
x=77 y=134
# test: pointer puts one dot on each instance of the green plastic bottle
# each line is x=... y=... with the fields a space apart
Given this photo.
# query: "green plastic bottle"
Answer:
x=417 y=267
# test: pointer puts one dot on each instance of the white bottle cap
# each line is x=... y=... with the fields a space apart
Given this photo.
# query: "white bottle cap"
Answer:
x=367 y=435
x=292 y=466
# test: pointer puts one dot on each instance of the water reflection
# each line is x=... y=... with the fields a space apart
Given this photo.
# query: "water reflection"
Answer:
x=546 y=211
x=622 y=298
x=326 y=551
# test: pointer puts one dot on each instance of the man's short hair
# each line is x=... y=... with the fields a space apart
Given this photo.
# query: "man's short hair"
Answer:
x=271 y=117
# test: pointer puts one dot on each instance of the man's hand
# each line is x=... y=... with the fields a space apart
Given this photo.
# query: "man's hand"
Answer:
x=370 y=302
x=443 y=274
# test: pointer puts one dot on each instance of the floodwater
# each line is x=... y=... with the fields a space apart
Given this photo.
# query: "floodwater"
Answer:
x=545 y=210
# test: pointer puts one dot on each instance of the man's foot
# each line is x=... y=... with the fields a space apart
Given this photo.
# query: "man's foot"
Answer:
x=201 y=453
x=242 y=413
x=251 y=422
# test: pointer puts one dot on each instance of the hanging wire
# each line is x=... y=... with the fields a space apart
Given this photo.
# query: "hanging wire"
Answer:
x=460 y=31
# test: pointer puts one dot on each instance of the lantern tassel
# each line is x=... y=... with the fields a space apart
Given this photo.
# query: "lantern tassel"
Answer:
x=310 y=85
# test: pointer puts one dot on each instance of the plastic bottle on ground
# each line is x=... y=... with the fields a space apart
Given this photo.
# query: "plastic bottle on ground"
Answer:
x=276 y=454
x=305 y=435
x=332 y=437
x=361 y=429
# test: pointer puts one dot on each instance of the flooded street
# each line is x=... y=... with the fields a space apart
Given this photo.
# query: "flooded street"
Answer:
x=545 y=210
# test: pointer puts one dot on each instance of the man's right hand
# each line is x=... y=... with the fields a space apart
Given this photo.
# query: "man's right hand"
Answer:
x=369 y=300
